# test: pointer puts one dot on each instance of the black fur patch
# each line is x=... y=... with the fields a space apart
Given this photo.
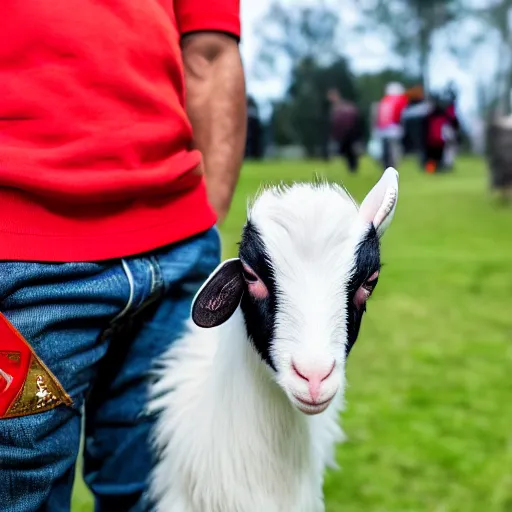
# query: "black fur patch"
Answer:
x=259 y=314
x=367 y=262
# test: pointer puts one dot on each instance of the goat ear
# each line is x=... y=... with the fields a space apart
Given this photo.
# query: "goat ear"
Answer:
x=219 y=296
x=379 y=205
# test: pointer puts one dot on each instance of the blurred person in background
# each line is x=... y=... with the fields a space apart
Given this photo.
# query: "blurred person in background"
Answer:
x=413 y=122
x=388 y=123
x=453 y=131
x=346 y=128
x=123 y=127
x=438 y=131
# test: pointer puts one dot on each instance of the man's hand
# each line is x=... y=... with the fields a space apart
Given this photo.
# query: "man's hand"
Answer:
x=216 y=105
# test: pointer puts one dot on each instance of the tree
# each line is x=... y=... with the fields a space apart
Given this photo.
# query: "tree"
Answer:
x=281 y=126
x=410 y=26
x=487 y=27
x=498 y=18
x=310 y=107
x=301 y=42
x=303 y=115
x=289 y=36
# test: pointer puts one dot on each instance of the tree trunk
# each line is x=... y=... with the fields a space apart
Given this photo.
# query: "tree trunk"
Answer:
x=424 y=58
x=424 y=42
x=508 y=89
x=424 y=71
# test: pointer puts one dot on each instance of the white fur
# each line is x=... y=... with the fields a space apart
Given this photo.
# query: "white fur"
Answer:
x=230 y=439
x=230 y=436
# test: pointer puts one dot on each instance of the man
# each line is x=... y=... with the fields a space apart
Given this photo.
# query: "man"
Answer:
x=107 y=213
x=346 y=128
x=414 y=118
x=453 y=129
x=438 y=132
x=389 y=128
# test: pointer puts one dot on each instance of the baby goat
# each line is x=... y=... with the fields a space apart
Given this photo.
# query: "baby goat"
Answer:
x=250 y=395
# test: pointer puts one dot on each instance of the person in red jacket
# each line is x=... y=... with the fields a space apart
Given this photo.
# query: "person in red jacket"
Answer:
x=388 y=123
x=439 y=133
x=122 y=130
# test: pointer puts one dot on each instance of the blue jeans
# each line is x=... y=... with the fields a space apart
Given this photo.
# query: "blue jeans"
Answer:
x=99 y=328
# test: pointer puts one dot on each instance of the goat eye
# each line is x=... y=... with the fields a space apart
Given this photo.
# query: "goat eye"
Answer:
x=255 y=285
x=366 y=289
x=371 y=282
x=249 y=277
x=369 y=286
x=361 y=296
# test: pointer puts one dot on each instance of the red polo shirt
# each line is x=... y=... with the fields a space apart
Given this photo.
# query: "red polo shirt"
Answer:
x=96 y=157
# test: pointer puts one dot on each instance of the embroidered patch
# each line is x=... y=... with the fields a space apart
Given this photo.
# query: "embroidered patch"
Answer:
x=27 y=386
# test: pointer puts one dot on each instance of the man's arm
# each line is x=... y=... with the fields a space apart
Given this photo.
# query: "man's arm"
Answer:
x=216 y=106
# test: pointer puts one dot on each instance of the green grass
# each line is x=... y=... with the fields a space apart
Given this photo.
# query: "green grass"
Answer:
x=429 y=414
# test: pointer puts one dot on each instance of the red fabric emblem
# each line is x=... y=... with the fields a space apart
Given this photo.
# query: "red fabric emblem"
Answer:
x=15 y=358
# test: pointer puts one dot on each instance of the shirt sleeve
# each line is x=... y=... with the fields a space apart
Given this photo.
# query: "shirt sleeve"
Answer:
x=203 y=15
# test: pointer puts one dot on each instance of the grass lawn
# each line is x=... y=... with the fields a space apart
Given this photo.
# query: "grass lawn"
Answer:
x=429 y=414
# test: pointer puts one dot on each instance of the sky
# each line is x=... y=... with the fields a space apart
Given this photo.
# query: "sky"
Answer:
x=366 y=54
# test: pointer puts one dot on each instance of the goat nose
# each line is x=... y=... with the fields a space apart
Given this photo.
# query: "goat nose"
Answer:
x=314 y=377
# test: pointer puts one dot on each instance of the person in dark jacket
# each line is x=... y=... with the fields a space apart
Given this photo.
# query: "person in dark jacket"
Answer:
x=346 y=128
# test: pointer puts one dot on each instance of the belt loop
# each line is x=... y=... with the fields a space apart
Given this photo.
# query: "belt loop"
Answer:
x=131 y=282
x=156 y=275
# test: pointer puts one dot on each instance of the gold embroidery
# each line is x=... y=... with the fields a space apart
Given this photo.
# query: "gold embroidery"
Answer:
x=41 y=392
x=44 y=397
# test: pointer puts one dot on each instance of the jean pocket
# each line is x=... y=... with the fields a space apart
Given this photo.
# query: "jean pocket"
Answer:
x=27 y=386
